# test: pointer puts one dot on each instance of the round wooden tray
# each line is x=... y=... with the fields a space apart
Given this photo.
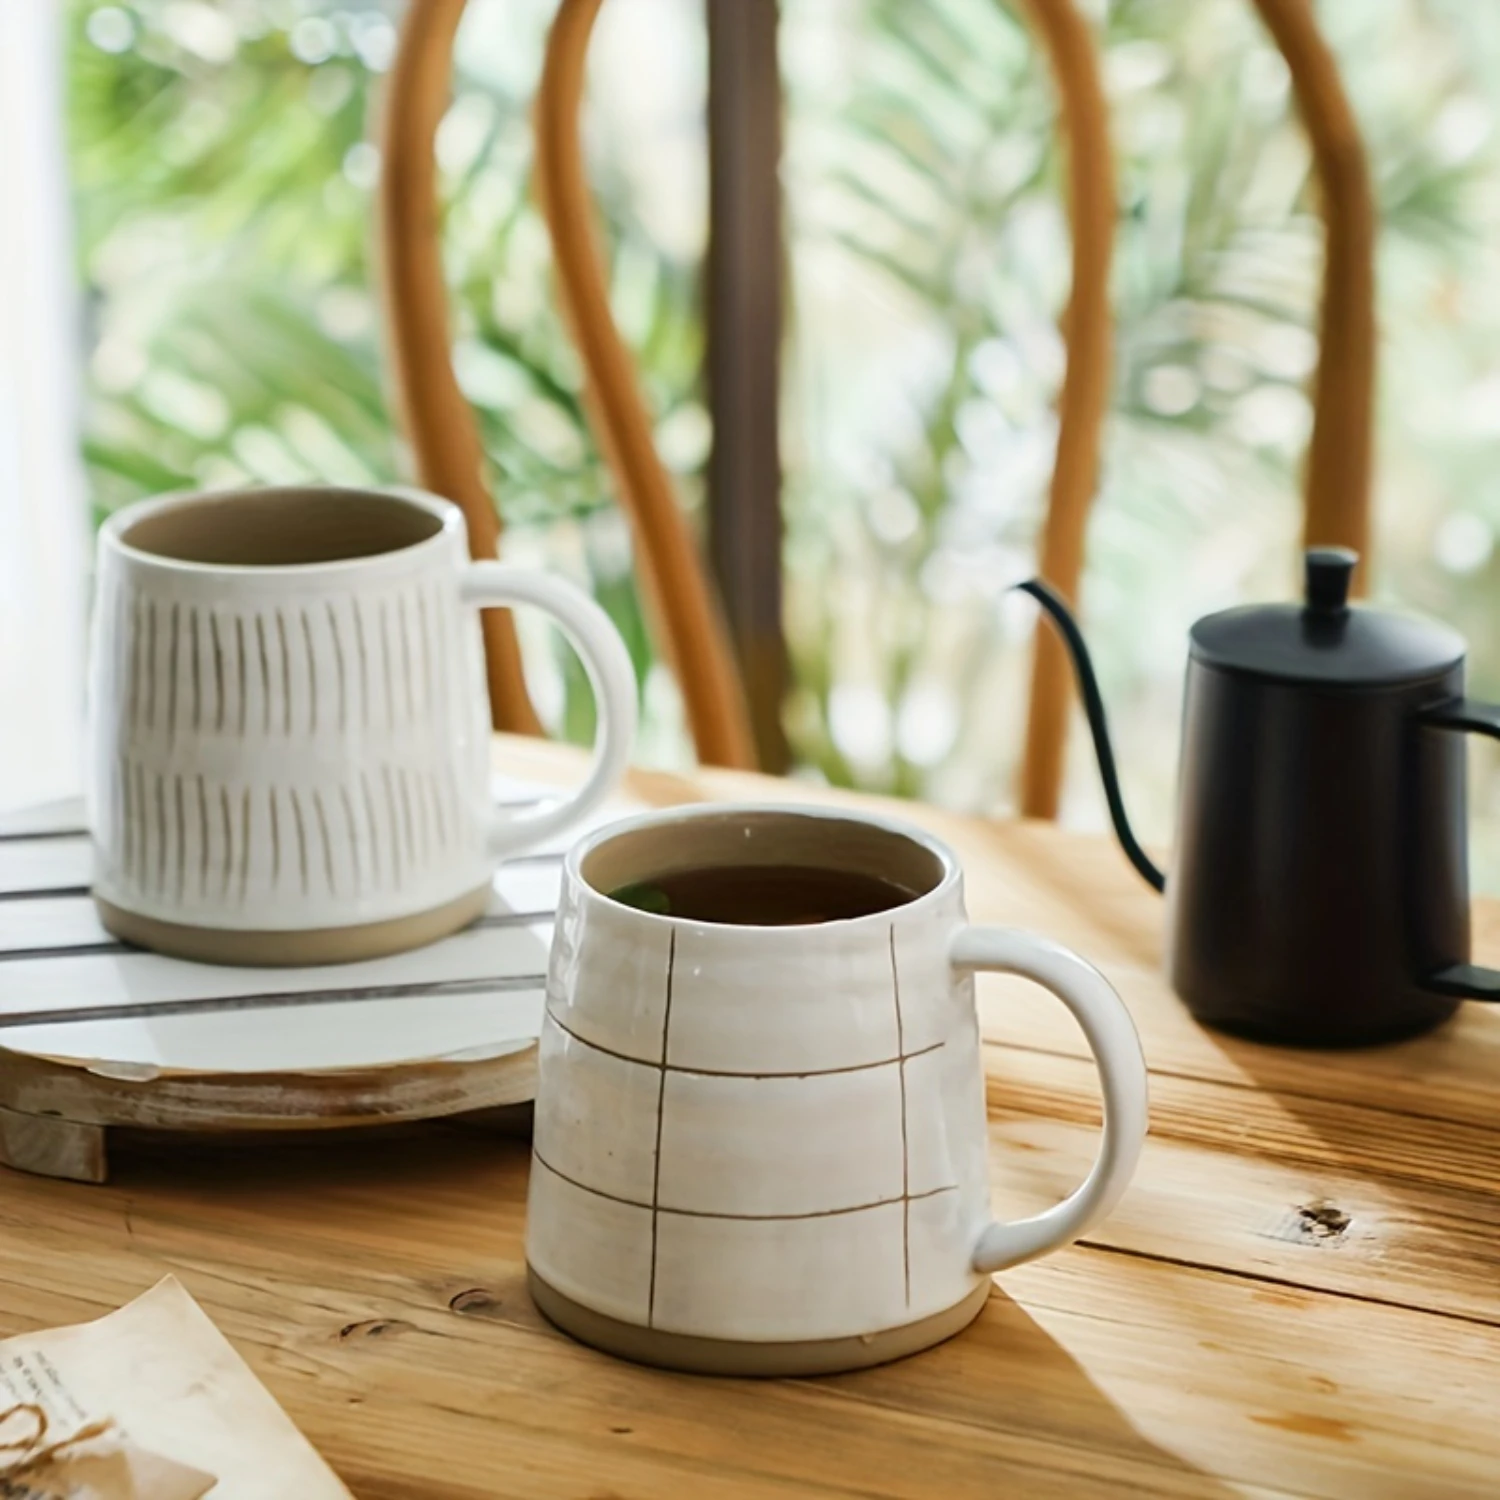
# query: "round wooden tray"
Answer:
x=56 y=1114
x=441 y=1031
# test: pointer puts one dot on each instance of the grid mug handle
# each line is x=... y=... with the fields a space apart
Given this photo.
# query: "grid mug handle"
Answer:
x=1112 y=1038
x=611 y=675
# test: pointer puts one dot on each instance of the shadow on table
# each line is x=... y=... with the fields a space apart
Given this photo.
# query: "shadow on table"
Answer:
x=1003 y=1407
x=476 y=1155
x=1008 y=1402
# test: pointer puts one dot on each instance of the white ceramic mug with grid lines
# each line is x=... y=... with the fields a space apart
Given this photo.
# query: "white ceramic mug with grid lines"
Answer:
x=763 y=1149
x=290 y=730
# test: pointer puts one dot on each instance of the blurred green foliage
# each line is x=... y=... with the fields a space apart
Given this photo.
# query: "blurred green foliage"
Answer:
x=929 y=151
x=224 y=173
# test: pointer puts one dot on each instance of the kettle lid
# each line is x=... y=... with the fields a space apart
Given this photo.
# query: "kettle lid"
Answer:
x=1325 y=639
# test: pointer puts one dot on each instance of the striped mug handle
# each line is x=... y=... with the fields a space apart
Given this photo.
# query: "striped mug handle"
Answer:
x=487 y=585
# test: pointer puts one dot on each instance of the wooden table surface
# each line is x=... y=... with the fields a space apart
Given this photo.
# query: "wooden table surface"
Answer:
x=1300 y=1295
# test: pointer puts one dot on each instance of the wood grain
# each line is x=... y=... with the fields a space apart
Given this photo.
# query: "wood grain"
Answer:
x=1337 y=480
x=53 y=1147
x=439 y=424
x=676 y=583
x=1299 y=1296
x=1282 y=1205
x=1088 y=335
x=1093 y=1373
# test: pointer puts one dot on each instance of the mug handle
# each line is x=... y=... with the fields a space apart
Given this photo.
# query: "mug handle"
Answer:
x=486 y=585
x=1466 y=981
x=1112 y=1037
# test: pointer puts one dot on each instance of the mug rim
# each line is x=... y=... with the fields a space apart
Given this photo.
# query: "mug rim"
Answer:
x=449 y=517
x=951 y=872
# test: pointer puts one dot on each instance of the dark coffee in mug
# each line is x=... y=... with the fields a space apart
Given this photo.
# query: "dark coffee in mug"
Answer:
x=765 y=895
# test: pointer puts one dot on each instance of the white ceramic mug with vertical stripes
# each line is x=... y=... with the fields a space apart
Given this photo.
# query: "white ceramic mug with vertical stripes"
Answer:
x=290 y=741
x=763 y=1149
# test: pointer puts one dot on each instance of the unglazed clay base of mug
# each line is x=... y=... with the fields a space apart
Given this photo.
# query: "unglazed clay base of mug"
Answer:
x=323 y=945
x=699 y=1356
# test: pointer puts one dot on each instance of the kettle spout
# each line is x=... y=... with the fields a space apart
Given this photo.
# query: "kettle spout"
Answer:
x=1088 y=686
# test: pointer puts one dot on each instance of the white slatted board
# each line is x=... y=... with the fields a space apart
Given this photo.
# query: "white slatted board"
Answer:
x=475 y=995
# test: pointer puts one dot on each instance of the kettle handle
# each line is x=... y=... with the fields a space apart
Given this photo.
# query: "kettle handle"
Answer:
x=1466 y=716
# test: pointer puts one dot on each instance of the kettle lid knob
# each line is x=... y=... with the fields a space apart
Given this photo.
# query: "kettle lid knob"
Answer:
x=1324 y=639
x=1329 y=571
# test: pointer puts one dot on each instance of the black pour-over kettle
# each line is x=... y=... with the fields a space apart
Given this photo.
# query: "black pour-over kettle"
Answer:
x=1319 y=893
